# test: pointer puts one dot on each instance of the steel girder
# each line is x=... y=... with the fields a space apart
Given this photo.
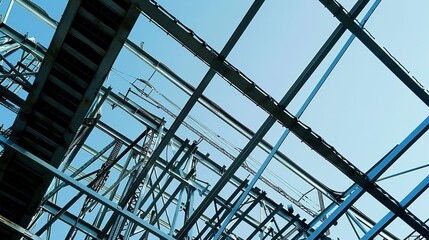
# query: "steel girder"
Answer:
x=54 y=110
x=349 y=21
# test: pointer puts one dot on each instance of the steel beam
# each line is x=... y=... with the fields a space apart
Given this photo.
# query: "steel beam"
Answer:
x=366 y=183
x=22 y=232
x=405 y=203
x=393 y=65
x=71 y=219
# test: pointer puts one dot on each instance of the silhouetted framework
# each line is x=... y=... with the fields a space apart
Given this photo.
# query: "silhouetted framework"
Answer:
x=56 y=181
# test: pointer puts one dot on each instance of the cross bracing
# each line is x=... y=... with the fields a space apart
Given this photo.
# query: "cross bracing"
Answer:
x=109 y=152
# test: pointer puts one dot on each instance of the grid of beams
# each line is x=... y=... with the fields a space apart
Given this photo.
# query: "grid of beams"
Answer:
x=150 y=185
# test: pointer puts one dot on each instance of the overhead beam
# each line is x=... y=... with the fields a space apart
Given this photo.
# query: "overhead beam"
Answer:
x=71 y=219
x=376 y=191
x=393 y=65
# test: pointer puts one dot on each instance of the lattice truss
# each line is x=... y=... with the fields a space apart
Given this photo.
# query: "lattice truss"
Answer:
x=204 y=127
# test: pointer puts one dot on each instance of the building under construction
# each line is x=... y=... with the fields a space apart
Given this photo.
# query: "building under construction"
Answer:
x=137 y=119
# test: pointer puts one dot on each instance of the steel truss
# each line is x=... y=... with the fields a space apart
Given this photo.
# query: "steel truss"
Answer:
x=155 y=185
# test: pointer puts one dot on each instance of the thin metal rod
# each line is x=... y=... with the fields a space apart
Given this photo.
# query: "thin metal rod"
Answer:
x=8 y=11
x=403 y=172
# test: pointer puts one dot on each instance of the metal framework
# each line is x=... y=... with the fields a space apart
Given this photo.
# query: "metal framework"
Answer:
x=81 y=160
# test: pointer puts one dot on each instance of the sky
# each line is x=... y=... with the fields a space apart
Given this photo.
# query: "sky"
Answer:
x=363 y=110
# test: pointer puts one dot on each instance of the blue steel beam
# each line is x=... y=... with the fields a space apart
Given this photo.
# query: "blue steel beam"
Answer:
x=367 y=184
x=407 y=201
x=340 y=13
x=82 y=188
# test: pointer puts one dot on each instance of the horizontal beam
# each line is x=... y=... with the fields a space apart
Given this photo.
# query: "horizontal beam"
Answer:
x=384 y=198
x=17 y=229
x=72 y=220
x=392 y=64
